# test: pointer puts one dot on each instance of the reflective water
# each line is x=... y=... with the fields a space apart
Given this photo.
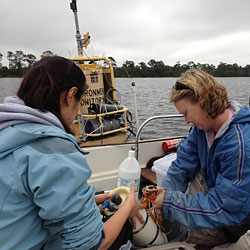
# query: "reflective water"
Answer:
x=152 y=98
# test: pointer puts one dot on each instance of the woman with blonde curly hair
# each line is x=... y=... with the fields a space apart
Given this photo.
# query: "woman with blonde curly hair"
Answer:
x=203 y=88
x=215 y=156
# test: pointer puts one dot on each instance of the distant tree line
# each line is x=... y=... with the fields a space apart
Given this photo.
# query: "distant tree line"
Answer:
x=19 y=63
x=158 y=69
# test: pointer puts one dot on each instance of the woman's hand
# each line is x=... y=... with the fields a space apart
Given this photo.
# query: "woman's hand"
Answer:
x=101 y=198
x=113 y=226
x=136 y=206
x=158 y=202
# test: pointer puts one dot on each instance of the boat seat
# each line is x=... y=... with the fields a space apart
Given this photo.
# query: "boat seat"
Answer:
x=147 y=174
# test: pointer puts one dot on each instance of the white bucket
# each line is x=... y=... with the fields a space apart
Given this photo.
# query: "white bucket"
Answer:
x=148 y=233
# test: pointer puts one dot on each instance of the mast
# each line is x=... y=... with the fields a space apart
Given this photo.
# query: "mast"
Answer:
x=79 y=41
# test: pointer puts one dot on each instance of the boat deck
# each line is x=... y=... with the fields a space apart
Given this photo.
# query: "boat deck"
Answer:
x=173 y=246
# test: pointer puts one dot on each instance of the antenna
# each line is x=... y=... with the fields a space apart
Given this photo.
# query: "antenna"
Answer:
x=79 y=41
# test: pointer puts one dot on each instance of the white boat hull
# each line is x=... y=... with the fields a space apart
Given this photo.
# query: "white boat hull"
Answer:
x=104 y=161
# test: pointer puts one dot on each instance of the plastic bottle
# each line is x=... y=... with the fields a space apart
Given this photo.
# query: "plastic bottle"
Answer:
x=171 y=144
x=129 y=173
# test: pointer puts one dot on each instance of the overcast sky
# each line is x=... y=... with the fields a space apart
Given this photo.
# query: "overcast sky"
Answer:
x=204 y=31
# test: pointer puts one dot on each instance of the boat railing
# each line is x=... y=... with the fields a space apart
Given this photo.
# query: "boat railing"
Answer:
x=147 y=121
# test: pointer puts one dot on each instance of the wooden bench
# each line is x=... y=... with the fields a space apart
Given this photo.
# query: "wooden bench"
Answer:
x=147 y=174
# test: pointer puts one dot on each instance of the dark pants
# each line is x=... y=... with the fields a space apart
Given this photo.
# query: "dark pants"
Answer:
x=125 y=235
x=122 y=239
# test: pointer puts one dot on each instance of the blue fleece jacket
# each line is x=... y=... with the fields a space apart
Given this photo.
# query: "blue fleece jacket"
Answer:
x=226 y=170
x=45 y=199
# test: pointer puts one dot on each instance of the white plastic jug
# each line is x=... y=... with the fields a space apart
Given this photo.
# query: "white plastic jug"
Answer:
x=129 y=173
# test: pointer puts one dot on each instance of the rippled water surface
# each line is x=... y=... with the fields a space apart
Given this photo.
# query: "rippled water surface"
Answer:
x=152 y=98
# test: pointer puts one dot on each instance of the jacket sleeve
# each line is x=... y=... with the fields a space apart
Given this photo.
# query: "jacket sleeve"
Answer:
x=183 y=169
x=228 y=201
x=58 y=174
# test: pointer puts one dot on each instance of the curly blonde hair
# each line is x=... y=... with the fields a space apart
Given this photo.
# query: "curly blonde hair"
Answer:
x=202 y=88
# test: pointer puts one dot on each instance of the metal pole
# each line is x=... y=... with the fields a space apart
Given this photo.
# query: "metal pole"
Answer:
x=73 y=6
x=135 y=105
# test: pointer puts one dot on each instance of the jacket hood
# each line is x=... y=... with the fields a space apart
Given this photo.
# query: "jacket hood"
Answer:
x=14 y=111
x=20 y=125
x=241 y=115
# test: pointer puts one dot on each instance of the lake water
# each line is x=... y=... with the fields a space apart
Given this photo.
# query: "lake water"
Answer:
x=152 y=98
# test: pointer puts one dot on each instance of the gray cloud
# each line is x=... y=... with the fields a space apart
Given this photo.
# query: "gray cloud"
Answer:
x=196 y=30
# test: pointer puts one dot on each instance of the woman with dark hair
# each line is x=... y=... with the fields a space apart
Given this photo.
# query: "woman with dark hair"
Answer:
x=50 y=77
x=46 y=202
